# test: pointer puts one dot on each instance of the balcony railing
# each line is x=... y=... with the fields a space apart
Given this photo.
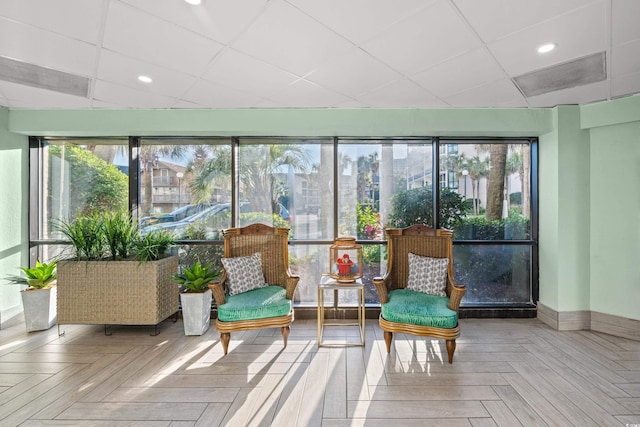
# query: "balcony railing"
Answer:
x=185 y=199
x=168 y=181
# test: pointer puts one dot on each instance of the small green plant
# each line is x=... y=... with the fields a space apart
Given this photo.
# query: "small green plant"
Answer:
x=152 y=246
x=37 y=277
x=196 y=278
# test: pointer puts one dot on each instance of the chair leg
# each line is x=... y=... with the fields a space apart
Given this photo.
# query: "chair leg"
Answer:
x=388 y=336
x=451 y=347
x=225 y=338
x=285 y=334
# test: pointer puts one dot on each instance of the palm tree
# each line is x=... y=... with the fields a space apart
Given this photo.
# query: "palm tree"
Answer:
x=211 y=172
x=477 y=169
x=514 y=165
x=495 y=190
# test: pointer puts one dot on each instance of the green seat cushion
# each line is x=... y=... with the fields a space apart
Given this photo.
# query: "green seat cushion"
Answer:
x=269 y=301
x=420 y=309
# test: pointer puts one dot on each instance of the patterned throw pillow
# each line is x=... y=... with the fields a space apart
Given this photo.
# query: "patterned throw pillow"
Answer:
x=244 y=273
x=428 y=275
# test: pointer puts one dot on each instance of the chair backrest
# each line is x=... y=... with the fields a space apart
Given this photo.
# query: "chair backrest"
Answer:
x=419 y=240
x=271 y=242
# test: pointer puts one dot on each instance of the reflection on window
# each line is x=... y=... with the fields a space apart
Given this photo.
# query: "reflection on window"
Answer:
x=286 y=183
x=185 y=188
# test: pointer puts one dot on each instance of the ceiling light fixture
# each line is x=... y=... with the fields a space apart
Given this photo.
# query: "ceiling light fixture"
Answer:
x=194 y=2
x=145 y=79
x=545 y=48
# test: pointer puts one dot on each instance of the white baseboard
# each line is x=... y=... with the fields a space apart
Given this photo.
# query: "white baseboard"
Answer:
x=589 y=320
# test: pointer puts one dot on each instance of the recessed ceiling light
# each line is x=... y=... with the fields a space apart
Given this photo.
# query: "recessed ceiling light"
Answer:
x=546 y=48
x=145 y=79
x=194 y=2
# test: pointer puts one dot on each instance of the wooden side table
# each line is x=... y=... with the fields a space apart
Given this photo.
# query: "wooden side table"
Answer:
x=329 y=284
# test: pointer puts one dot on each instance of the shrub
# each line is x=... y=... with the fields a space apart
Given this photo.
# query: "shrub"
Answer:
x=415 y=206
x=514 y=227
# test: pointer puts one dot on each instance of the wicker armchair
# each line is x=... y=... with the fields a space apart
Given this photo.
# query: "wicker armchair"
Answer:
x=252 y=309
x=425 y=315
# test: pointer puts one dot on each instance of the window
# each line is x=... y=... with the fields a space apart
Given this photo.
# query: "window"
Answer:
x=319 y=188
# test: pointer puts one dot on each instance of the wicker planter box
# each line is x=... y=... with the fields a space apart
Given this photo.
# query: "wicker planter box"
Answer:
x=117 y=292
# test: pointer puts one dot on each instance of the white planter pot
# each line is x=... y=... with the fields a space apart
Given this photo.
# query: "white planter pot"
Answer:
x=196 y=312
x=39 y=308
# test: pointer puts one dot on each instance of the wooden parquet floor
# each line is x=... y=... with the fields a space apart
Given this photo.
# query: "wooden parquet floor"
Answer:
x=505 y=373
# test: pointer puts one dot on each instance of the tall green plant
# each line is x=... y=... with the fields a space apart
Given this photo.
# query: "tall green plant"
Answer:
x=153 y=245
x=120 y=231
x=87 y=236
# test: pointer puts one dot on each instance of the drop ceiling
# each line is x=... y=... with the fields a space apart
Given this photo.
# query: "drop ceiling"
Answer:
x=315 y=54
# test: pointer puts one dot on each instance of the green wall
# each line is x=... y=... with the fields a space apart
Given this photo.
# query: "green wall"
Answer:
x=588 y=222
x=615 y=219
x=13 y=217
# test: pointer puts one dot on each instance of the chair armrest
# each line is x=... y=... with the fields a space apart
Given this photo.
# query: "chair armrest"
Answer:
x=292 y=283
x=455 y=293
x=217 y=289
x=382 y=287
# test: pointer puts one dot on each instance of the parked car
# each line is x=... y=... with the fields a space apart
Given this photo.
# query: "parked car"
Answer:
x=205 y=216
x=174 y=216
x=211 y=219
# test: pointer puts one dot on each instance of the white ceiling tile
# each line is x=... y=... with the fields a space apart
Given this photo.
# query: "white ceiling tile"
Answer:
x=304 y=94
x=78 y=19
x=140 y=35
x=493 y=19
x=309 y=53
x=493 y=94
x=126 y=97
x=182 y=104
x=625 y=29
x=625 y=85
x=242 y=72
x=116 y=68
x=432 y=35
x=288 y=38
x=401 y=94
x=577 y=34
x=221 y=20
x=572 y=96
x=212 y=95
x=40 y=47
x=353 y=73
x=625 y=59
x=453 y=76
x=21 y=96
x=359 y=20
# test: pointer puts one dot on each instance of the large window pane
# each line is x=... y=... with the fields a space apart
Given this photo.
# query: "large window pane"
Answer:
x=383 y=184
x=494 y=274
x=486 y=193
x=287 y=183
x=185 y=187
x=81 y=177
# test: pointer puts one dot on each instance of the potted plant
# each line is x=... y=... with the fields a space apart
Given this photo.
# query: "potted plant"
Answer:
x=116 y=276
x=195 y=296
x=39 y=298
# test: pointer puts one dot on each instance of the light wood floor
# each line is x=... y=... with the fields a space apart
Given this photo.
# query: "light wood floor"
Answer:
x=505 y=372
